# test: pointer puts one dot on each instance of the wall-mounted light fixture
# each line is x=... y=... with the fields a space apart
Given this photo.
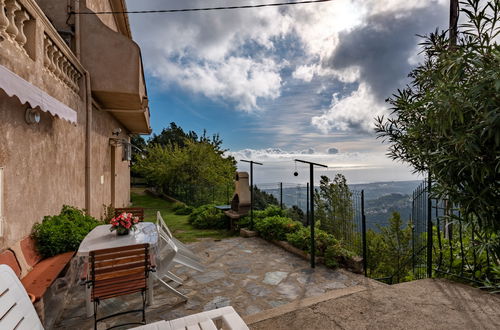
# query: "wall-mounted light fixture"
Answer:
x=32 y=116
x=116 y=131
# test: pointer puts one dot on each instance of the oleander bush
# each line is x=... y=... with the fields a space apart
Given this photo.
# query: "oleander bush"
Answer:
x=276 y=227
x=184 y=210
x=64 y=232
x=326 y=245
x=207 y=217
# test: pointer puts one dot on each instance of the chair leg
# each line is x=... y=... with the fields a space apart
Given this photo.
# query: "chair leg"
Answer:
x=173 y=277
x=174 y=291
x=95 y=314
x=143 y=307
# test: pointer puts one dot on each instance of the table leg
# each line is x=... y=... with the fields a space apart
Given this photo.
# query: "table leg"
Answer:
x=150 y=299
x=88 y=303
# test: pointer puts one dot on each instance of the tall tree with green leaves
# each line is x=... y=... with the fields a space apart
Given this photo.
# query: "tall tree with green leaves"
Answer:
x=446 y=122
x=333 y=207
x=179 y=162
x=390 y=250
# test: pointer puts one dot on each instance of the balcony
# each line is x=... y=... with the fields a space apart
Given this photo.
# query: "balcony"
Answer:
x=37 y=66
x=117 y=79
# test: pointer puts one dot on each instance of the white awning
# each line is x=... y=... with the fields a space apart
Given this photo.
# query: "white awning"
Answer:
x=26 y=92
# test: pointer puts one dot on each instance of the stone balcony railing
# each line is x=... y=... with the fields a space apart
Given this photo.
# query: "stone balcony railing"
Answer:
x=31 y=47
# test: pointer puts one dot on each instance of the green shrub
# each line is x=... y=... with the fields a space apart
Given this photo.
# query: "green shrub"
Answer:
x=178 y=206
x=331 y=255
x=276 y=227
x=207 y=217
x=301 y=239
x=185 y=210
x=270 y=211
x=258 y=215
x=62 y=233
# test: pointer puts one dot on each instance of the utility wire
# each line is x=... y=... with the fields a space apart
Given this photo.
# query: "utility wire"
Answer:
x=200 y=9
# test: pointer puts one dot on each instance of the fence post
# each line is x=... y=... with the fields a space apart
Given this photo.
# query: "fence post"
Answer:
x=307 y=204
x=281 y=195
x=429 y=228
x=311 y=193
x=363 y=228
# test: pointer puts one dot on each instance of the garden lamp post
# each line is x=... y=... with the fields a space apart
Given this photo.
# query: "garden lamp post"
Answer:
x=311 y=206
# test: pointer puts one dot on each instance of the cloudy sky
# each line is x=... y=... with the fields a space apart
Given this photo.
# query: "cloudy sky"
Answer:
x=281 y=83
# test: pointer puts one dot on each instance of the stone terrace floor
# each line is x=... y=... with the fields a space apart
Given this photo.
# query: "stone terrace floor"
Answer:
x=249 y=274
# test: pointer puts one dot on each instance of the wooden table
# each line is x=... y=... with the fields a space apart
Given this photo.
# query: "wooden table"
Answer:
x=101 y=238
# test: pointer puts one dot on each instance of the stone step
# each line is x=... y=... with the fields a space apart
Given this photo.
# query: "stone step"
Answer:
x=365 y=284
x=422 y=304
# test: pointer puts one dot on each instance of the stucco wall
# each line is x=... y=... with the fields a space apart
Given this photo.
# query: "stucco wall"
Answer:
x=100 y=5
x=44 y=167
x=102 y=127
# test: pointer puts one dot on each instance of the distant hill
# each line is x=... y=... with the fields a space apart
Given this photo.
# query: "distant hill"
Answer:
x=378 y=189
x=381 y=199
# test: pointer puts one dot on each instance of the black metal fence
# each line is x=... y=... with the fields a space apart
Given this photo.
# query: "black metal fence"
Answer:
x=447 y=243
x=443 y=242
x=420 y=229
x=345 y=220
x=197 y=195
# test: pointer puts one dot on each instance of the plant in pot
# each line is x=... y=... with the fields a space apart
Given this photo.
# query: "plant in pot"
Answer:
x=123 y=223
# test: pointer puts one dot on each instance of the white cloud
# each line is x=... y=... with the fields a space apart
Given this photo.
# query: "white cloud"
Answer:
x=355 y=110
x=240 y=80
x=279 y=166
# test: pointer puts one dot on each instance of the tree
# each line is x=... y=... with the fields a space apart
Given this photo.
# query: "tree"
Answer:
x=175 y=136
x=446 y=122
x=138 y=147
x=262 y=199
x=334 y=208
x=390 y=250
x=187 y=166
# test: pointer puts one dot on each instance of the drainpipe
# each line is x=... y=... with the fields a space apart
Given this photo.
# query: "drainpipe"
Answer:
x=88 y=132
x=88 y=110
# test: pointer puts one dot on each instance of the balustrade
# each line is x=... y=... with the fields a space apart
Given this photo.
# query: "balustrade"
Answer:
x=14 y=17
x=56 y=63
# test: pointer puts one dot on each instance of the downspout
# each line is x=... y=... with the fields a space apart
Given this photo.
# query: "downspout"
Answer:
x=88 y=111
x=88 y=132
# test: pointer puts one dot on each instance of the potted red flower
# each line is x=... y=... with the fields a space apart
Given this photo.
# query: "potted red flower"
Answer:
x=123 y=223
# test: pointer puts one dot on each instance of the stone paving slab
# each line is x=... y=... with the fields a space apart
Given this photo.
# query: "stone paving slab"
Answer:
x=249 y=274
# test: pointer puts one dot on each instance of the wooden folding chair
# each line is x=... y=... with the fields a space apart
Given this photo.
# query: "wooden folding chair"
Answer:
x=119 y=271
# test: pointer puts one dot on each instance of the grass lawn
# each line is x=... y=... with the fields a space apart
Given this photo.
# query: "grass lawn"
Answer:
x=178 y=224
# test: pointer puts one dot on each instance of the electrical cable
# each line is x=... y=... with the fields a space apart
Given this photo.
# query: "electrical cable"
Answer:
x=199 y=9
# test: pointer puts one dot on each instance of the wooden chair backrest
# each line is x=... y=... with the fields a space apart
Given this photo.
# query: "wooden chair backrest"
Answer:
x=119 y=271
x=136 y=212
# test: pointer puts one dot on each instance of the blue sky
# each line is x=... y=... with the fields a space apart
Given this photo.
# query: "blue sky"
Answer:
x=282 y=83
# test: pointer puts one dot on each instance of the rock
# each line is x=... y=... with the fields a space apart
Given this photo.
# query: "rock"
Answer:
x=355 y=264
x=291 y=292
x=274 y=278
x=217 y=302
x=239 y=270
x=276 y=303
x=257 y=290
x=209 y=277
x=252 y=310
x=244 y=232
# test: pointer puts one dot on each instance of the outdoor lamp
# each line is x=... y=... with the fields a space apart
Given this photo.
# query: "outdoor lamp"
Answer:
x=32 y=116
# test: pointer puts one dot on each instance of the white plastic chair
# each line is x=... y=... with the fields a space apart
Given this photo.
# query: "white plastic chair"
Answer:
x=222 y=318
x=171 y=251
x=16 y=310
x=182 y=248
